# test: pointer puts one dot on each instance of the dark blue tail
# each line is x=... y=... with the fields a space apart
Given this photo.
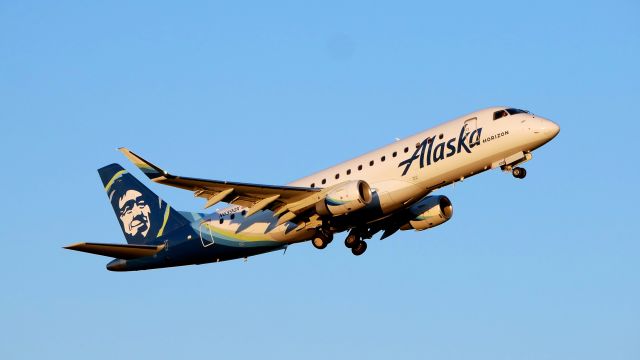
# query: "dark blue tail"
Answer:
x=143 y=216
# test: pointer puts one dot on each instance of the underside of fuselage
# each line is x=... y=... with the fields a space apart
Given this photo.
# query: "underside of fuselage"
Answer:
x=194 y=253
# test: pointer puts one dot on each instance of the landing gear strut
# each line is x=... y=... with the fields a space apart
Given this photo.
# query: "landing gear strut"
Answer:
x=519 y=173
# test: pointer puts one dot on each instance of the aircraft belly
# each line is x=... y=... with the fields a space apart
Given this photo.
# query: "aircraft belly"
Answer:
x=188 y=254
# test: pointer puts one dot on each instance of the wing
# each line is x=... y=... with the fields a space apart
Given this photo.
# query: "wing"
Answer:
x=282 y=199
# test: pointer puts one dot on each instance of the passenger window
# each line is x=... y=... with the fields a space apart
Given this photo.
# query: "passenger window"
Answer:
x=406 y=149
x=395 y=153
x=383 y=158
x=244 y=212
x=313 y=185
x=221 y=220
x=233 y=216
x=337 y=176
x=324 y=181
x=359 y=167
x=349 y=172
x=371 y=163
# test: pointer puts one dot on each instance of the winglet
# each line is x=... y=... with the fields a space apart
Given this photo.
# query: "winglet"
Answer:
x=149 y=169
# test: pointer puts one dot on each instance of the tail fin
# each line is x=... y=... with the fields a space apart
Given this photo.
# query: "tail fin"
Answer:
x=143 y=216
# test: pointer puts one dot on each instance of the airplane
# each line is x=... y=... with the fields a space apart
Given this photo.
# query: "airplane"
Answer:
x=386 y=190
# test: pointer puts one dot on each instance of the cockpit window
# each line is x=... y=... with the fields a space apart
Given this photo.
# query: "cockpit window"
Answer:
x=506 y=112
x=500 y=114
x=513 y=111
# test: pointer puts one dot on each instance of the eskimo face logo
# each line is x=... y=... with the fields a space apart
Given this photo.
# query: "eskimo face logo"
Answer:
x=134 y=214
x=432 y=154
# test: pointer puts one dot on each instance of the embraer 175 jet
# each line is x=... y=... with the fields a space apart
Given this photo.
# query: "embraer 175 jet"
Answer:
x=386 y=190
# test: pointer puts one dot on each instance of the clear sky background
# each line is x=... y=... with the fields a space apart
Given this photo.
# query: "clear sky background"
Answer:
x=543 y=268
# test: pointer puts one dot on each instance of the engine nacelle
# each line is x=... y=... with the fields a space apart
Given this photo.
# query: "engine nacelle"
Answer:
x=347 y=197
x=429 y=212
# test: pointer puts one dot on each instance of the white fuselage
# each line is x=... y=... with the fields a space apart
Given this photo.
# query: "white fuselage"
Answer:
x=407 y=170
x=498 y=140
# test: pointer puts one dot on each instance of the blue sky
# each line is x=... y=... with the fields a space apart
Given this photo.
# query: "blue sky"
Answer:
x=545 y=268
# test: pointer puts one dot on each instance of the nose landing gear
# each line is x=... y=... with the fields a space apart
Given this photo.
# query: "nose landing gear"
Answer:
x=519 y=173
x=510 y=164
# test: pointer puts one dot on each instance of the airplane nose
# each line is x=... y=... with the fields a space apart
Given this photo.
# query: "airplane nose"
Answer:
x=550 y=128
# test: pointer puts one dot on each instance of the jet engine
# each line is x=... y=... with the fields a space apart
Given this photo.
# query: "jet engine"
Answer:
x=429 y=212
x=345 y=198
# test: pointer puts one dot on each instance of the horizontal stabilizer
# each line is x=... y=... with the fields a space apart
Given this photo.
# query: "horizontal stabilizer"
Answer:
x=119 y=251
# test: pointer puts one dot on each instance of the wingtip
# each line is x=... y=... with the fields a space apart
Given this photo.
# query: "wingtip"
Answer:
x=151 y=170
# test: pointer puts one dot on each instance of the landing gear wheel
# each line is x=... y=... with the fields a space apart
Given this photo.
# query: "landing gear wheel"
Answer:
x=320 y=242
x=359 y=249
x=519 y=173
x=351 y=240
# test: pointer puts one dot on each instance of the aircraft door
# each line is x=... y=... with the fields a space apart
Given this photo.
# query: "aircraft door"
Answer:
x=470 y=125
x=206 y=236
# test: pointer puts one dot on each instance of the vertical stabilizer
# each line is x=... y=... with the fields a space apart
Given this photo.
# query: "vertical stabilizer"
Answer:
x=142 y=215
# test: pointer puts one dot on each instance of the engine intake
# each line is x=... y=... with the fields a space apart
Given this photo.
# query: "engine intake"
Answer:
x=429 y=212
x=345 y=198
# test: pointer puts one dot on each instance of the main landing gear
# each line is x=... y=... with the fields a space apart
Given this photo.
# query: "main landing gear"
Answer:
x=519 y=173
x=355 y=243
x=359 y=249
x=321 y=240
